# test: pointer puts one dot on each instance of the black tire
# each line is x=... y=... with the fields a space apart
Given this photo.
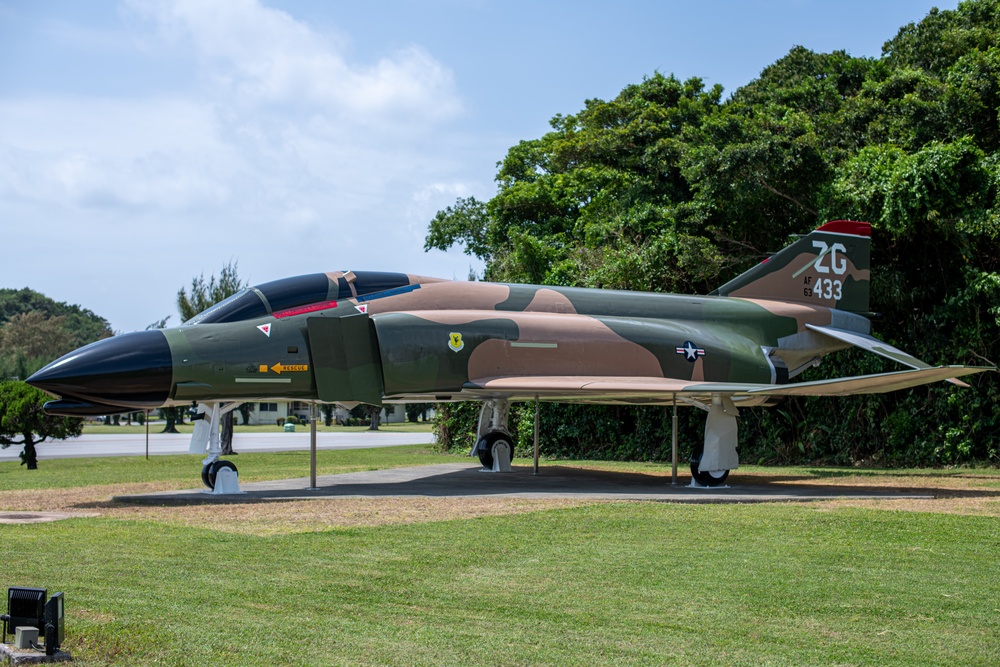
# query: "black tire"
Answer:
x=714 y=478
x=484 y=447
x=210 y=471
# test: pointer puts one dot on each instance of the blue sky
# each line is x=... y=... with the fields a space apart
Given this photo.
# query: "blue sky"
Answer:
x=143 y=142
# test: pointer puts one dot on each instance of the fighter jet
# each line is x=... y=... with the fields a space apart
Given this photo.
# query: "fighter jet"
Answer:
x=371 y=337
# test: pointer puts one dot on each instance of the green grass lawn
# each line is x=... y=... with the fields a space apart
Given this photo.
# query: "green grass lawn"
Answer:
x=610 y=583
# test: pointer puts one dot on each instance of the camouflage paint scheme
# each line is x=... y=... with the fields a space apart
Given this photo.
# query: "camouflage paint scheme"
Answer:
x=369 y=337
x=376 y=337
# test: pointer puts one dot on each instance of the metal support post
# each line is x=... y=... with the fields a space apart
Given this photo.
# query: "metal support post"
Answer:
x=312 y=447
x=536 y=436
x=673 y=446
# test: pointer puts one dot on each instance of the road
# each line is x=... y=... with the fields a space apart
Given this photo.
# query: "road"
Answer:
x=171 y=443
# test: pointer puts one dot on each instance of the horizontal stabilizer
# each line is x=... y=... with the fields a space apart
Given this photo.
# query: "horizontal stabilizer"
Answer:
x=877 y=347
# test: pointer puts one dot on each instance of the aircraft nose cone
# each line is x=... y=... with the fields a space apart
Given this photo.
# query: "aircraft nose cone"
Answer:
x=131 y=370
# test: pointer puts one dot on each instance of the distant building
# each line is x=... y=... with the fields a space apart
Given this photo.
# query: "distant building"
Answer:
x=270 y=412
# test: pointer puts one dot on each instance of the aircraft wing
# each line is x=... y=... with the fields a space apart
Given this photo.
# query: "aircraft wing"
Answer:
x=641 y=390
x=880 y=383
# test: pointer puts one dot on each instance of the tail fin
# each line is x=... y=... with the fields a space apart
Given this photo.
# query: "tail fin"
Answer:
x=830 y=266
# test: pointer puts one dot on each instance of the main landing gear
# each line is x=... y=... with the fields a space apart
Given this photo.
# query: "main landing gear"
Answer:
x=494 y=444
x=708 y=477
x=712 y=461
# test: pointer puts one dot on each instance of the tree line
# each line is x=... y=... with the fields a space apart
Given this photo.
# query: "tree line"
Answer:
x=669 y=187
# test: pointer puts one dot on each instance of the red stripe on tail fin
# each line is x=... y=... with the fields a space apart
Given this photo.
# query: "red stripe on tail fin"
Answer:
x=852 y=227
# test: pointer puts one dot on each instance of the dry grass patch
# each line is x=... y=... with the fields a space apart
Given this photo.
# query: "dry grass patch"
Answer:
x=969 y=492
x=954 y=493
x=264 y=517
x=962 y=493
x=83 y=497
x=971 y=506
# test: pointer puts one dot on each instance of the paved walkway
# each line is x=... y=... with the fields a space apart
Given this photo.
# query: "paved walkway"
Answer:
x=177 y=443
x=553 y=481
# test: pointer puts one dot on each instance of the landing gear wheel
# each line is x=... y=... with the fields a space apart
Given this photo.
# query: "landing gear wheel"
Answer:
x=484 y=448
x=706 y=478
x=211 y=470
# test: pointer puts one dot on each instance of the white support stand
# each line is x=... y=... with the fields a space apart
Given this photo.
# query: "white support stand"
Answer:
x=696 y=485
x=227 y=482
x=501 y=458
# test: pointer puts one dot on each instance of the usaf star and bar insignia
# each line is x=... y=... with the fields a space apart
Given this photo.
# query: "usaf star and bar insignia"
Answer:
x=690 y=351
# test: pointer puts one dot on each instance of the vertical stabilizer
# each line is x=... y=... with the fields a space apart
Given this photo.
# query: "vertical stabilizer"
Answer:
x=828 y=267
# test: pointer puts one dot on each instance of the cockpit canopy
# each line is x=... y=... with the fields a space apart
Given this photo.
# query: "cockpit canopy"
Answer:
x=279 y=295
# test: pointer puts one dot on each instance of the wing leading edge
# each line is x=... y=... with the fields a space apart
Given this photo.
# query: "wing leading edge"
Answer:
x=640 y=390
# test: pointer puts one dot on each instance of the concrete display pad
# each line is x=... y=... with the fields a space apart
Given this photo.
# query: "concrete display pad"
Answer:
x=14 y=656
x=469 y=480
x=40 y=517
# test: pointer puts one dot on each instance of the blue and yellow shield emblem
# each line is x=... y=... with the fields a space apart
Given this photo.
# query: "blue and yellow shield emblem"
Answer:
x=455 y=341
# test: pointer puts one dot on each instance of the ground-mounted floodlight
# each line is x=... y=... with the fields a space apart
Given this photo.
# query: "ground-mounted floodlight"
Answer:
x=55 y=614
x=25 y=607
x=28 y=611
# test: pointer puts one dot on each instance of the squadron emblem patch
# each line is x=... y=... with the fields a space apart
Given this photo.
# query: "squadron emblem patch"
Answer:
x=455 y=341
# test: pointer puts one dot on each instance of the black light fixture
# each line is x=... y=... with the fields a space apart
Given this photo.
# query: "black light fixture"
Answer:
x=26 y=607
x=55 y=614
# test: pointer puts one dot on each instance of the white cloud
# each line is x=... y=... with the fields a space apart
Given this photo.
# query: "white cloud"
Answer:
x=265 y=56
x=294 y=120
x=162 y=153
x=279 y=152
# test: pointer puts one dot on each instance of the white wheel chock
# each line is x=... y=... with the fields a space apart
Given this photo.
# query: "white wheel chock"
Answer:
x=227 y=482
x=501 y=457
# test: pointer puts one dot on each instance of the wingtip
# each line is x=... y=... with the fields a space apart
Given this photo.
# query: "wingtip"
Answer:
x=971 y=369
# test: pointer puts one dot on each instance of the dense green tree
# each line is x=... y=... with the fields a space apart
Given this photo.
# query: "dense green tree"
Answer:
x=669 y=188
x=30 y=340
x=22 y=421
x=35 y=330
x=171 y=418
x=328 y=410
x=418 y=411
x=83 y=325
x=204 y=294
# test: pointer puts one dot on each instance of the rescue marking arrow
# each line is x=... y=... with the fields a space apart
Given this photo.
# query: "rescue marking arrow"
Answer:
x=279 y=368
